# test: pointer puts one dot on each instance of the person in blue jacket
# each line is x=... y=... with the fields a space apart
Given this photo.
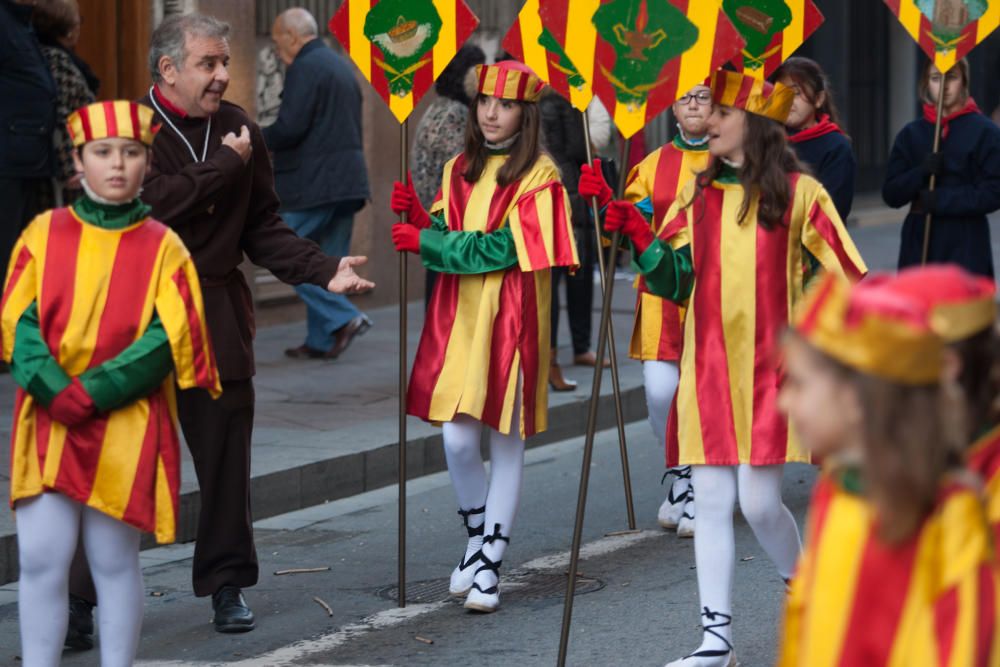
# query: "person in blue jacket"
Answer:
x=968 y=176
x=814 y=130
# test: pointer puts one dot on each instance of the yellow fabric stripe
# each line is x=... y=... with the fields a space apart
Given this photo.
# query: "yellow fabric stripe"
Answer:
x=53 y=457
x=487 y=305
x=89 y=298
x=75 y=124
x=361 y=48
x=695 y=62
x=837 y=557
x=546 y=209
x=988 y=22
x=543 y=303
x=401 y=107
x=531 y=29
x=119 y=459
x=25 y=473
x=630 y=121
x=915 y=633
x=489 y=82
x=945 y=60
x=166 y=522
x=123 y=118
x=98 y=122
x=509 y=398
x=581 y=47
x=909 y=16
x=517 y=230
x=793 y=35
x=811 y=192
x=446 y=45
x=146 y=121
x=738 y=305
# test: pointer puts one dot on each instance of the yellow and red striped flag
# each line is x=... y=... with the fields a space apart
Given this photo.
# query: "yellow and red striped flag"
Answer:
x=947 y=30
x=539 y=39
x=650 y=52
x=773 y=30
x=402 y=46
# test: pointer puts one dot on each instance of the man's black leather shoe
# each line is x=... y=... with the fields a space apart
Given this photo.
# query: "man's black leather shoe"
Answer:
x=231 y=611
x=80 y=631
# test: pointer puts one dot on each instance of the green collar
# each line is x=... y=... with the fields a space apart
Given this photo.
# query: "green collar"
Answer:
x=110 y=216
x=685 y=146
x=850 y=480
x=728 y=175
x=498 y=152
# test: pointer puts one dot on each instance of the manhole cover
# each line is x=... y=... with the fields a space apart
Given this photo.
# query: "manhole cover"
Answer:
x=514 y=586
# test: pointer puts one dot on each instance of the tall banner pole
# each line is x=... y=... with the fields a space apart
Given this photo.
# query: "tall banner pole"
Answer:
x=401 y=47
x=946 y=33
x=404 y=161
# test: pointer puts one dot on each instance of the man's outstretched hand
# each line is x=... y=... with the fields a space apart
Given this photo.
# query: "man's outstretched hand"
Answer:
x=347 y=281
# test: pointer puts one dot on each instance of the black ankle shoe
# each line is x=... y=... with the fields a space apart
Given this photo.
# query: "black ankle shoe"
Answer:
x=80 y=631
x=231 y=611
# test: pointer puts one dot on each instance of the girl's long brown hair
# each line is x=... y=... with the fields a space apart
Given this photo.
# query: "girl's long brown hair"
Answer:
x=523 y=154
x=768 y=161
x=979 y=379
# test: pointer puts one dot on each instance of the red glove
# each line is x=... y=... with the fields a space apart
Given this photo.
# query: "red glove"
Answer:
x=404 y=200
x=592 y=184
x=406 y=238
x=72 y=405
x=623 y=216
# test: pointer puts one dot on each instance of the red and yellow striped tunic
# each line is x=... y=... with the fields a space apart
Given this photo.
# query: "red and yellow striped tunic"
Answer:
x=929 y=601
x=747 y=282
x=983 y=458
x=96 y=291
x=483 y=331
x=659 y=178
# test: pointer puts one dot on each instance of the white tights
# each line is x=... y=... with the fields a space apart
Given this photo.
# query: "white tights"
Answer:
x=660 y=379
x=501 y=494
x=48 y=527
x=759 y=489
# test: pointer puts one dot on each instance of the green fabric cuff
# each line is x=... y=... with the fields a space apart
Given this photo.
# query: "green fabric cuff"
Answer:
x=32 y=365
x=438 y=223
x=431 y=247
x=135 y=373
x=668 y=273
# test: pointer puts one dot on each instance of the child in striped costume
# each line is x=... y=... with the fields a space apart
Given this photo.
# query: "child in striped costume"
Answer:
x=737 y=248
x=101 y=312
x=500 y=223
x=898 y=565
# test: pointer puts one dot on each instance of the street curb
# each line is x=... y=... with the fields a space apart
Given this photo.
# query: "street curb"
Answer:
x=348 y=475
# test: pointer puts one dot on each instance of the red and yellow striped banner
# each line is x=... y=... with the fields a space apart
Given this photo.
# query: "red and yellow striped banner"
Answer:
x=402 y=46
x=539 y=38
x=773 y=30
x=947 y=30
x=650 y=52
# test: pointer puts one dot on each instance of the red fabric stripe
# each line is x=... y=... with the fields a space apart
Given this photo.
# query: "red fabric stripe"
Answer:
x=129 y=281
x=141 y=508
x=522 y=85
x=512 y=43
x=945 y=619
x=458 y=196
x=665 y=181
x=711 y=362
x=80 y=455
x=204 y=366
x=133 y=112
x=339 y=25
x=562 y=243
x=43 y=428
x=88 y=134
x=499 y=205
x=58 y=277
x=378 y=78
x=669 y=346
x=824 y=226
x=874 y=619
x=533 y=243
x=605 y=56
x=769 y=431
x=746 y=88
x=423 y=78
x=986 y=616
x=501 y=82
x=110 y=119
x=433 y=346
x=673 y=449
x=507 y=338
x=666 y=92
x=529 y=350
x=985 y=458
x=22 y=260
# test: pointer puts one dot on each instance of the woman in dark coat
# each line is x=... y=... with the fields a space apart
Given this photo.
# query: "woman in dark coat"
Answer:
x=814 y=130
x=968 y=176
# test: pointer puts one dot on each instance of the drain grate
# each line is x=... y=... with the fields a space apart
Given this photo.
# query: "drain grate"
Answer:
x=513 y=586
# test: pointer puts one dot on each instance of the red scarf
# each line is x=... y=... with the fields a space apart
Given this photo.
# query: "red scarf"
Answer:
x=930 y=114
x=822 y=127
x=167 y=104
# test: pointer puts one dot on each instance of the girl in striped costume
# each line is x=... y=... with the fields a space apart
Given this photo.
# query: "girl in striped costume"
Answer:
x=898 y=566
x=737 y=248
x=499 y=224
x=102 y=310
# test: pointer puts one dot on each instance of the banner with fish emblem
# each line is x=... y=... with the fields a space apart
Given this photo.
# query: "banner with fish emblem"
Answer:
x=947 y=30
x=773 y=30
x=539 y=39
x=402 y=46
x=650 y=52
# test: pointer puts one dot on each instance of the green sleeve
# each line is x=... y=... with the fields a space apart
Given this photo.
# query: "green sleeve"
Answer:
x=438 y=223
x=669 y=273
x=32 y=365
x=136 y=372
x=467 y=252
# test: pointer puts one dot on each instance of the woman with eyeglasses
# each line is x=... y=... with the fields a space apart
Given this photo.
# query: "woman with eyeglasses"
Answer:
x=967 y=168
x=814 y=130
x=653 y=185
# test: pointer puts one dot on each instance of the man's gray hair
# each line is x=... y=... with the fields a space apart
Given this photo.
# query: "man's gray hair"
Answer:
x=170 y=36
x=299 y=22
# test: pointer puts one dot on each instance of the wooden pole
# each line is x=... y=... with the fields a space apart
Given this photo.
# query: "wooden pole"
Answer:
x=933 y=183
x=588 y=444
x=613 y=353
x=404 y=145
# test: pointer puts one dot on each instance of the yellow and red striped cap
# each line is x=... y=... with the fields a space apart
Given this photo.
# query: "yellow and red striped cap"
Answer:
x=114 y=118
x=961 y=304
x=733 y=89
x=510 y=80
x=872 y=328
